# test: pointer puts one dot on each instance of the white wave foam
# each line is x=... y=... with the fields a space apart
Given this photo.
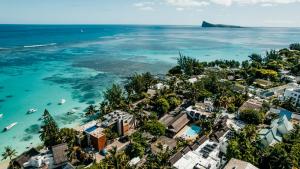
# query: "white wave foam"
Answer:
x=40 y=45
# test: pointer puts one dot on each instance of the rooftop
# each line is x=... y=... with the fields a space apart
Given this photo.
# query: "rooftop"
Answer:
x=251 y=104
x=239 y=164
x=59 y=153
x=164 y=142
x=205 y=156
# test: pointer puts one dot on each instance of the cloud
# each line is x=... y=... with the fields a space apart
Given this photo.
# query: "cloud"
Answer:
x=201 y=3
x=145 y=6
x=187 y=3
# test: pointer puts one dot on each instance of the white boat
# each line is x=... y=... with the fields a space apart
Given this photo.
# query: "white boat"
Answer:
x=1 y=115
x=10 y=126
x=30 y=111
x=62 y=101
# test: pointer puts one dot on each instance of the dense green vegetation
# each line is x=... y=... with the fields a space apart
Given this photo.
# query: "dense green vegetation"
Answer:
x=155 y=128
x=252 y=116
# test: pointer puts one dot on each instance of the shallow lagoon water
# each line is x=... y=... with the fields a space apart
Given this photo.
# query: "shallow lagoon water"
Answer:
x=39 y=64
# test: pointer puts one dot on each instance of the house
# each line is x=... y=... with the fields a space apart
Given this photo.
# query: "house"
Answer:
x=178 y=123
x=200 y=110
x=162 y=143
x=60 y=155
x=206 y=156
x=294 y=95
x=263 y=83
x=251 y=104
x=24 y=157
x=273 y=134
x=174 y=123
x=239 y=164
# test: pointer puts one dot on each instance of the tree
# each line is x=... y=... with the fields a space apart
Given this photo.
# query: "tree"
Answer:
x=50 y=130
x=155 y=128
x=117 y=160
x=252 y=116
x=295 y=46
x=135 y=150
x=114 y=96
x=68 y=135
x=8 y=153
x=243 y=148
x=175 y=70
x=190 y=66
x=256 y=58
x=162 y=105
x=90 y=110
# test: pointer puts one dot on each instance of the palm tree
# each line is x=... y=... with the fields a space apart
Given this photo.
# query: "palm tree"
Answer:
x=91 y=110
x=8 y=153
x=117 y=160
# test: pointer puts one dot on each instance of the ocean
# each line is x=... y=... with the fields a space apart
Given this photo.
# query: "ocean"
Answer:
x=42 y=64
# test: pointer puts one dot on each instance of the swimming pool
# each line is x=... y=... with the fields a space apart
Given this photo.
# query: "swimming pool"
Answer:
x=91 y=129
x=193 y=130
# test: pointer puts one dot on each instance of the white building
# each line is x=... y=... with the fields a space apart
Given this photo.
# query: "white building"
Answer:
x=278 y=128
x=294 y=95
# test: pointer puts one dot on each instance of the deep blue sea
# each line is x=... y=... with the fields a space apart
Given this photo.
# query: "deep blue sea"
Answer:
x=41 y=64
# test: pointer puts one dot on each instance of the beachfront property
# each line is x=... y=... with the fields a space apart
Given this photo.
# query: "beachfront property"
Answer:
x=273 y=134
x=55 y=158
x=200 y=110
x=251 y=104
x=294 y=95
x=122 y=121
x=239 y=164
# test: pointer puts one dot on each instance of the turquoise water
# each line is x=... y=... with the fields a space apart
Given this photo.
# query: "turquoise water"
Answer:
x=41 y=64
x=192 y=131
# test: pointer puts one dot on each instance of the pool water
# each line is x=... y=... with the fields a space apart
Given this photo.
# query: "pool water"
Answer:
x=91 y=129
x=192 y=131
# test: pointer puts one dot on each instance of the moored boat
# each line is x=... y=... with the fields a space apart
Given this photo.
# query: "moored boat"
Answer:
x=1 y=115
x=62 y=101
x=30 y=111
x=10 y=126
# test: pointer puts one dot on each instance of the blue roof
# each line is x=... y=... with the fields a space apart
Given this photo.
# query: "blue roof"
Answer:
x=284 y=112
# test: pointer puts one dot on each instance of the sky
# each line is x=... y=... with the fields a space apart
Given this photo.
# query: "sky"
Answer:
x=271 y=13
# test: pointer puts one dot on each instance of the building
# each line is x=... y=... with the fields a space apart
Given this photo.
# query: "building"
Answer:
x=24 y=157
x=60 y=155
x=200 y=110
x=94 y=134
x=206 y=156
x=121 y=121
x=162 y=143
x=251 y=104
x=273 y=134
x=174 y=123
x=239 y=164
x=294 y=95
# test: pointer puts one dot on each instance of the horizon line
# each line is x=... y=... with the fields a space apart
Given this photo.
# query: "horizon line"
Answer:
x=135 y=24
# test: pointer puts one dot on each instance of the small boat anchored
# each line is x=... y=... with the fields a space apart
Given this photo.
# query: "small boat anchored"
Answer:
x=30 y=111
x=62 y=101
x=1 y=115
x=10 y=126
x=72 y=112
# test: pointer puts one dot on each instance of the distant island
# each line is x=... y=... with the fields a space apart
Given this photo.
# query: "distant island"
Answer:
x=210 y=25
